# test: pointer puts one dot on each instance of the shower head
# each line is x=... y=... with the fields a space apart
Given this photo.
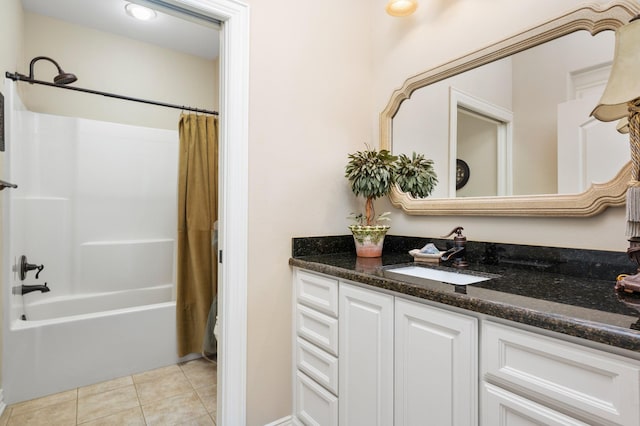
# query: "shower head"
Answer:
x=62 y=77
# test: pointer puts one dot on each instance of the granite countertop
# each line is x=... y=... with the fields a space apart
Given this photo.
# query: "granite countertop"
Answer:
x=562 y=290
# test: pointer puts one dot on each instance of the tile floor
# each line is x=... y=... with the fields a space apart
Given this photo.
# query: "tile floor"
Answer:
x=182 y=394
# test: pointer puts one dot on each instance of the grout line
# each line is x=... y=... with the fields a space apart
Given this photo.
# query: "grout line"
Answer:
x=144 y=419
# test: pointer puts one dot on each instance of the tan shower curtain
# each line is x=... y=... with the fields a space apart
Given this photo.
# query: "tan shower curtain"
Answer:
x=197 y=212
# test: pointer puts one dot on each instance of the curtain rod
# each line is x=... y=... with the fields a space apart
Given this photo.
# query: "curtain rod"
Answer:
x=20 y=77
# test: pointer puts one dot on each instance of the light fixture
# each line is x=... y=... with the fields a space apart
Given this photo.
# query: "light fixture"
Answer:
x=140 y=13
x=621 y=101
x=401 y=7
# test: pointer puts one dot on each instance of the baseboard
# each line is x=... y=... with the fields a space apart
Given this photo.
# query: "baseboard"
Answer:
x=285 y=421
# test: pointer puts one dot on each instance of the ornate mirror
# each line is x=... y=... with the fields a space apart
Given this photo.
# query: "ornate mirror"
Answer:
x=509 y=126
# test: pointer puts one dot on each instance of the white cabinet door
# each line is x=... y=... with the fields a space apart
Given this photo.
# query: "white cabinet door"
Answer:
x=365 y=365
x=436 y=369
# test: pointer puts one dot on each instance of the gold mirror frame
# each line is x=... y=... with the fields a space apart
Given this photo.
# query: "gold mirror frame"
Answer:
x=592 y=18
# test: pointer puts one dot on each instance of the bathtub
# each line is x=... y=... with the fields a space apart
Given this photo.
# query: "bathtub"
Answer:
x=68 y=342
x=96 y=205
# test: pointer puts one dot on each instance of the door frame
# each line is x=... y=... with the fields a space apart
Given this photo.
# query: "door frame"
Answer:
x=233 y=202
x=504 y=123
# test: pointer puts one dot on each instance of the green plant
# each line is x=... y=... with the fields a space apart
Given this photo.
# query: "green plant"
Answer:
x=372 y=173
x=415 y=175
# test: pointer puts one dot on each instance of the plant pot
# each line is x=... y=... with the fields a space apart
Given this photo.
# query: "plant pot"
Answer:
x=369 y=239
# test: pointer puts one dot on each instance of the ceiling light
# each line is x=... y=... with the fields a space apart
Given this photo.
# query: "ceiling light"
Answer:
x=139 y=12
x=401 y=7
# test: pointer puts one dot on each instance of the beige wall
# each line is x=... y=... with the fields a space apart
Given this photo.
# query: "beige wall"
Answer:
x=309 y=97
x=115 y=64
x=11 y=23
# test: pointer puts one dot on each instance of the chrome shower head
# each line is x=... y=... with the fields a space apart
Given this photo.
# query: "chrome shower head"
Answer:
x=62 y=77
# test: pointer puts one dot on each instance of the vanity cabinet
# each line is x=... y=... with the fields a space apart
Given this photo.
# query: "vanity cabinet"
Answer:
x=315 y=379
x=529 y=376
x=399 y=362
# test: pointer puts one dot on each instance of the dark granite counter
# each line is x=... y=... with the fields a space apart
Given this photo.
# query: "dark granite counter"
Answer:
x=563 y=290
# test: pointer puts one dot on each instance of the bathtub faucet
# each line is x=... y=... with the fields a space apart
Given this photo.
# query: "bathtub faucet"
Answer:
x=24 y=289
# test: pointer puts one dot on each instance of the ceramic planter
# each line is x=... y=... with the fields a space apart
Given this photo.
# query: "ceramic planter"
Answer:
x=369 y=239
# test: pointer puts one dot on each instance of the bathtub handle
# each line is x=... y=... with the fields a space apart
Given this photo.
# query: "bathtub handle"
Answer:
x=26 y=267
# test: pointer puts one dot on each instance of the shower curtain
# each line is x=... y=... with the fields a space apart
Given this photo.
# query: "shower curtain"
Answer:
x=197 y=212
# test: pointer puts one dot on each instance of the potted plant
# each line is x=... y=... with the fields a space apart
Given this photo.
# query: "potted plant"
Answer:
x=372 y=174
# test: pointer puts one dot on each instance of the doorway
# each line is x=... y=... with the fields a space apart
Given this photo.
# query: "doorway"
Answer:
x=233 y=195
x=480 y=138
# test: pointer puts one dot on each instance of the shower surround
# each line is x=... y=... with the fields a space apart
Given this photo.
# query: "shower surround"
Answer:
x=96 y=205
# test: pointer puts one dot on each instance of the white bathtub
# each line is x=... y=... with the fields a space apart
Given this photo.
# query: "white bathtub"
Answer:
x=96 y=205
x=65 y=345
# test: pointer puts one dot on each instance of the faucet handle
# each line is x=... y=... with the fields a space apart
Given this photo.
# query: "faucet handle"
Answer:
x=457 y=230
x=39 y=268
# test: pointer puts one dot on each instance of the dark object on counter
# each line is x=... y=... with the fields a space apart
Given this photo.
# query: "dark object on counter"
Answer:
x=457 y=252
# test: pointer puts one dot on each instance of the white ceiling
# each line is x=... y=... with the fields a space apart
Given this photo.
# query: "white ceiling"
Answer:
x=109 y=16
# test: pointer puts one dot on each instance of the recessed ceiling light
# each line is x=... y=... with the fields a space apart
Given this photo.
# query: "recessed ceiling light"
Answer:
x=401 y=7
x=139 y=12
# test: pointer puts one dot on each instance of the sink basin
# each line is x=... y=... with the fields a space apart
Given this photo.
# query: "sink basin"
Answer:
x=456 y=278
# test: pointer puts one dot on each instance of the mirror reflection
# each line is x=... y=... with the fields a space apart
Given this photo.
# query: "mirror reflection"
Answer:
x=519 y=125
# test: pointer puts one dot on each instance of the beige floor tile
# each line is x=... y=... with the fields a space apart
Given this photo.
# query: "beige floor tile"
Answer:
x=61 y=414
x=103 y=404
x=104 y=386
x=155 y=374
x=130 y=417
x=200 y=372
x=176 y=410
x=45 y=401
x=200 y=421
x=208 y=396
x=4 y=418
x=163 y=387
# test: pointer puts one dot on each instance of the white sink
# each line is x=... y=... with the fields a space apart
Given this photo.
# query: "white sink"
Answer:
x=456 y=278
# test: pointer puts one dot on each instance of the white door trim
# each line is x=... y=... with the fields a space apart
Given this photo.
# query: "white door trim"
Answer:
x=504 y=119
x=233 y=202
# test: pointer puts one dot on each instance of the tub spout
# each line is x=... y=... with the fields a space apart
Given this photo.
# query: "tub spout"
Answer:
x=24 y=289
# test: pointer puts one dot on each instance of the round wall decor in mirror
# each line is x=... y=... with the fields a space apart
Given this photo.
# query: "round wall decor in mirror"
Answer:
x=518 y=113
x=462 y=173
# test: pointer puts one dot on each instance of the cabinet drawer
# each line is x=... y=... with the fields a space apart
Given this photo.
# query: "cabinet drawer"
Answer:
x=501 y=407
x=317 y=328
x=317 y=292
x=317 y=364
x=590 y=384
x=314 y=404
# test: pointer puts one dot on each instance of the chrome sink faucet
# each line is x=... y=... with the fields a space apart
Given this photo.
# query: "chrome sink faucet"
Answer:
x=458 y=251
